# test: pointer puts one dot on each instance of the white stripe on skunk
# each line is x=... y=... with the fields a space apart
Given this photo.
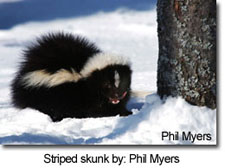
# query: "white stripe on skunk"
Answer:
x=117 y=79
x=97 y=62
x=44 y=78
x=102 y=60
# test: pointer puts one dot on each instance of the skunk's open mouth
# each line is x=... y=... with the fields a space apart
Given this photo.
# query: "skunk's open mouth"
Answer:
x=117 y=100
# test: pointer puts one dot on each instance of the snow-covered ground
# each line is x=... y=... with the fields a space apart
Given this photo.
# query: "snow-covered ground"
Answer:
x=128 y=32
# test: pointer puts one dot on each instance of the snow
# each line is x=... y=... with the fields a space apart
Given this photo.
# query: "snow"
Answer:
x=174 y=115
x=127 y=32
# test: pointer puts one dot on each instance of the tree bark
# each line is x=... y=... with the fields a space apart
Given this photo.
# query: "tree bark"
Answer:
x=187 y=50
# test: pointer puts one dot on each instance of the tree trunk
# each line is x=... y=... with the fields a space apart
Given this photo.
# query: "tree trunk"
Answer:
x=187 y=50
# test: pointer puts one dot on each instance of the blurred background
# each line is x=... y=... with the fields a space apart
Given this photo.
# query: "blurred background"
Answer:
x=20 y=11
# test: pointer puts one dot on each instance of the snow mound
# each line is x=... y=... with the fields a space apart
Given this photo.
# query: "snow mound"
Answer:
x=173 y=115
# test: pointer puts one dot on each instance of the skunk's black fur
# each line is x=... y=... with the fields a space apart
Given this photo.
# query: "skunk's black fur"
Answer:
x=66 y=76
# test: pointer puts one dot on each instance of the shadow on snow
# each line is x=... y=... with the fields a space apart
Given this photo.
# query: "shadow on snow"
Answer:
x=27 y=138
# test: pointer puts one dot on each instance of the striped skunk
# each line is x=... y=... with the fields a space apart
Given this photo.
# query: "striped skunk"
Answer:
x=63 y=75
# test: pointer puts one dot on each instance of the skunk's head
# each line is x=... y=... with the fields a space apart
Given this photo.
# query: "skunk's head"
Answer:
x=115 y=83
x=109 y=76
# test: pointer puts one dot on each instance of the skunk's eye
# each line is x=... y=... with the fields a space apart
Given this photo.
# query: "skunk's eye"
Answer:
x=107 y=85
